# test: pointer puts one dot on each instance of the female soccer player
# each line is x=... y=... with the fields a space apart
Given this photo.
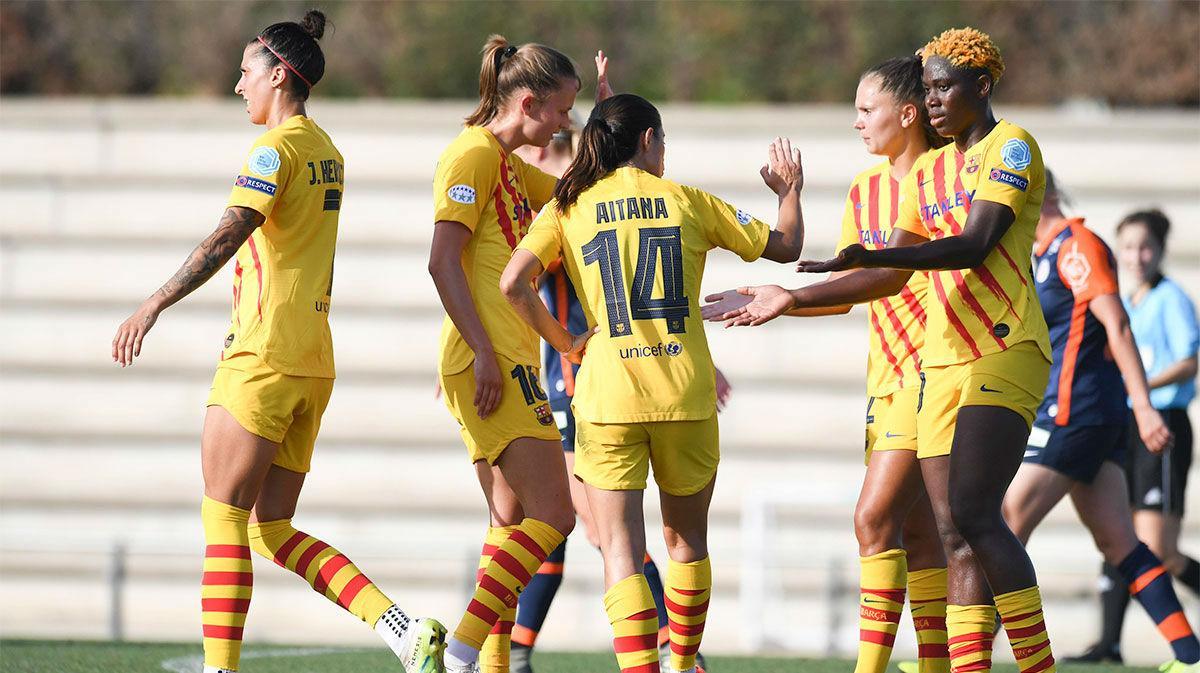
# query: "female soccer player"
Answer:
x=986 y=354
x=484 y=197
x=898 y=540
x=1079 y=439
x=276 y=373
x=634 y=246
x=1164 y=324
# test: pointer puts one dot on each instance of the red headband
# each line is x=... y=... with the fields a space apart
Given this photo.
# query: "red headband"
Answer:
x=284 y=62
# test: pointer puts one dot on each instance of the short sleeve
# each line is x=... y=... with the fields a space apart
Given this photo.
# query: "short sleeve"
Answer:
x=1085 y=266
x=1011 y=169
x=850 y=234
x=1179 y=323
x=909 y=217
x=462 y=185
x=264 y=173
x=727 y=227
x=544 y=238
x=539 y=185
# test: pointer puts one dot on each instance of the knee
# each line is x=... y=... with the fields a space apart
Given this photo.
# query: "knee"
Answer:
x=685 y=546
x=876 y=529
x=562 y=521
x=971 y=518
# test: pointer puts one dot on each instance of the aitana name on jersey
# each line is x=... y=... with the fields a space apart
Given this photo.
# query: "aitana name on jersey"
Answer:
x=658 y=350
x=632 y=208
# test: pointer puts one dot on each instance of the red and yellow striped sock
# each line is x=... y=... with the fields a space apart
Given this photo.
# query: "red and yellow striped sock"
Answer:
x=686 y=595
x=227 y=583
x=493 y=656
x=971 y=629
x=927 y=602
x=881 y=600
x=1021 y=614
x=630 y=608
x=326 y=569
x=509 y=571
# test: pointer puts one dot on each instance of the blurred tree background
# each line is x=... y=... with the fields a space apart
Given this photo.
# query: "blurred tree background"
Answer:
x=1120 y=53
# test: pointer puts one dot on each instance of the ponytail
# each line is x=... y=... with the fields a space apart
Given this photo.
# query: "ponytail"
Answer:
x=609 y=139
x=901 y=78
x=507 y=68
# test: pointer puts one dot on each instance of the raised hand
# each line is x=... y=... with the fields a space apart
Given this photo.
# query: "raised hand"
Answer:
x=851 y=257
x=722 y=303
x=604 y=90
x=783 y=170
x=767 y=303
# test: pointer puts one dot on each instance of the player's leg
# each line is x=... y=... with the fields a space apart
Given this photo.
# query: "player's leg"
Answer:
x=1105 y=511
x=504 y=514
x=927 y=586
x=1034 y=491
x=234 y=462
x=988 y=445
x=891 y=485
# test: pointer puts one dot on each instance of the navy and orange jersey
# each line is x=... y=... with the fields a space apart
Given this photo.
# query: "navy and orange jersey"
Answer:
x=1073 y=267
x=559 y=296
x=897 y=322
x=989 y=308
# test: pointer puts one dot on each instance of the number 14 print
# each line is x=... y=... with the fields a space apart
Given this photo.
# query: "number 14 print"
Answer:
x=653 y=243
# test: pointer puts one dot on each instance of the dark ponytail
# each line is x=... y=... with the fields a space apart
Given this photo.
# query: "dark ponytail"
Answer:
x=609 y=139
x=294 y=46
x=507 y=68
x=901 y=78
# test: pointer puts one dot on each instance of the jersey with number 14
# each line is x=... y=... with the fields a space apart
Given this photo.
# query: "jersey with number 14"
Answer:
x=283 y=275
x=634 y=247
x=987 y=309
x=897 y=322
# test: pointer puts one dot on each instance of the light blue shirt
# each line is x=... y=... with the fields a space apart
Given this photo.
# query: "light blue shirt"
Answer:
x=1164 y=324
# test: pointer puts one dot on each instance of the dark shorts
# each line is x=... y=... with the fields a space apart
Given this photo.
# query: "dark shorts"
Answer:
x=1159 y=482
x=565 y=420
x=1077 y=451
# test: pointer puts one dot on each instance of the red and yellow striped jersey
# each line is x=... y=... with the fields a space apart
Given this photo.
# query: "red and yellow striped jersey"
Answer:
x=283 y=273
x=494 y=194
x=987 y=309
x=897 y=322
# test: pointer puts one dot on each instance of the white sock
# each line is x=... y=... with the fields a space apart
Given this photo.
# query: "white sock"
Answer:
x=459 y=654
x=392 y=626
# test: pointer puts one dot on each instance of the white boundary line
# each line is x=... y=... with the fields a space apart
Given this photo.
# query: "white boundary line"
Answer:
x=195 y=664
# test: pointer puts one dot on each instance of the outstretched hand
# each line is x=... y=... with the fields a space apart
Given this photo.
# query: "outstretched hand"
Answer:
x=783 y=170
x=722 y=303
x=604 y=90
x=851 y=257
x=767 y=302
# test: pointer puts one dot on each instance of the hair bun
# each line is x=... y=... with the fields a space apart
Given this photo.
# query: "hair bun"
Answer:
x=313 y=23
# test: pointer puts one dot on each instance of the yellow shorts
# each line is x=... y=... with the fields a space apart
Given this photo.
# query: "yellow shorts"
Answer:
x=523 y=410
x=892 y=421
x=1014 y=379
x=618 y=456
x=283 y=409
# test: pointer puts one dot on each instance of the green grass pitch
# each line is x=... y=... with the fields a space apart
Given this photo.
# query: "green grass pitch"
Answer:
x=43 y=656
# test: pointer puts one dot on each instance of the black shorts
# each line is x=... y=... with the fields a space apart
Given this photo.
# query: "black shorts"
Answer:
x=1158 y=484
x=1077 y=451
x=565 y=419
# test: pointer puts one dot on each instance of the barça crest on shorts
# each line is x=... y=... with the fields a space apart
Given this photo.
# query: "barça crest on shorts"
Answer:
x=544 y=415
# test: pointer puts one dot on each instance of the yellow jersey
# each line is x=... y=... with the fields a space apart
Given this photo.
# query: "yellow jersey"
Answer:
x=494 y=194
x=987 y=309
x=634 y=246
x=897 y=322
x=283 y=274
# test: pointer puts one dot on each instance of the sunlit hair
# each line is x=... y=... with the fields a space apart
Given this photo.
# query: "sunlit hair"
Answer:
x=967 y=48
x=900 y=78
x=507 y=68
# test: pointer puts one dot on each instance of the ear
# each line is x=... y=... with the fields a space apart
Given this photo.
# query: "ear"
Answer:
x=528 y=102
x=278 y=75
x=908 y=115
x=647 y=139
x=984 y=85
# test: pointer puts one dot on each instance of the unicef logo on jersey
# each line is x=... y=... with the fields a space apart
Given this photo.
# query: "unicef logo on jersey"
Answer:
x=264 y=161
x=674 y=348
x=1016 y=155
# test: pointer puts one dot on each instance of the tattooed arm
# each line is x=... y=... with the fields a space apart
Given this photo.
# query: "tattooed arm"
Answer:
x=235 y=227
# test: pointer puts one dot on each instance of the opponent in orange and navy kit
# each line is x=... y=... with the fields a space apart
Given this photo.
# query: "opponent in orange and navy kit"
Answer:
x=894 y=388
x=1084 y=419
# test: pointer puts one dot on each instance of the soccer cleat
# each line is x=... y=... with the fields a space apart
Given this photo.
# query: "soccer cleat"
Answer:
x=1177 y=666
x=472 y=667
x=418 y=643
x=664 y=659
x=518 y=659
x=1100 y=653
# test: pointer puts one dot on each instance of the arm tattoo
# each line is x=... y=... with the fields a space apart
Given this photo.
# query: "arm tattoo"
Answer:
x=235 y=227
